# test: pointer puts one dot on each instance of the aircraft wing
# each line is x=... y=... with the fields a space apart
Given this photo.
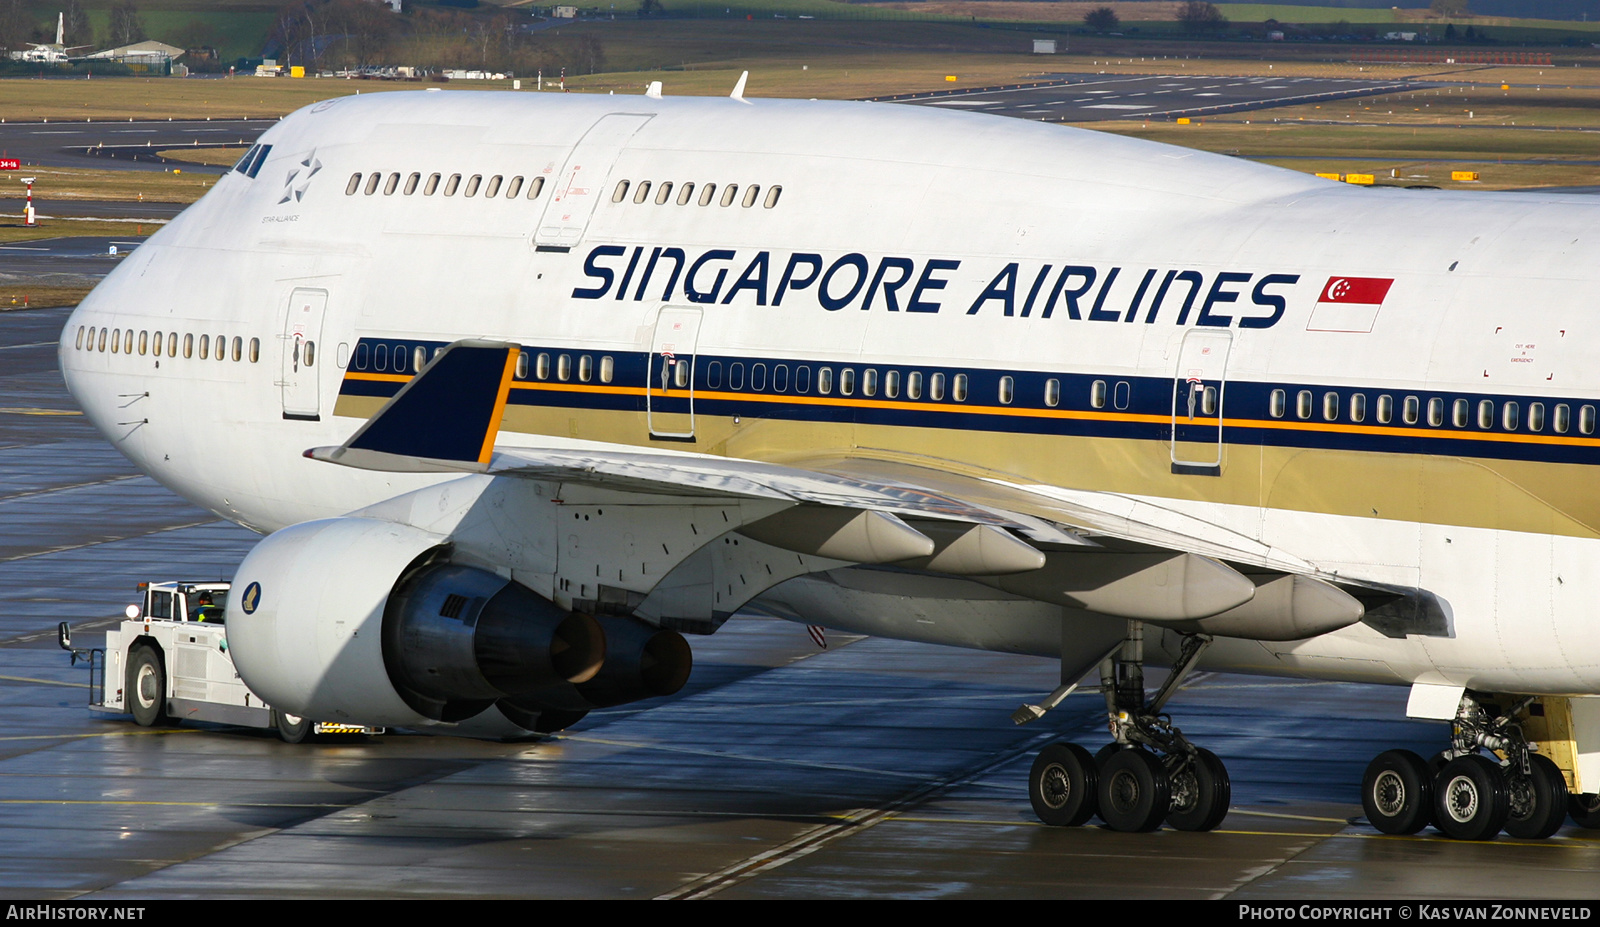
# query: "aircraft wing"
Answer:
x=1096 y=551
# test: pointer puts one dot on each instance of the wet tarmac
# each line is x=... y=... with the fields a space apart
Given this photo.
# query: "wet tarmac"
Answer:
x=871 y=769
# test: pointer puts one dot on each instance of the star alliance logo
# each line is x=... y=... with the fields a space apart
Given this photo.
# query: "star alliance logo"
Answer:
x=303 y=172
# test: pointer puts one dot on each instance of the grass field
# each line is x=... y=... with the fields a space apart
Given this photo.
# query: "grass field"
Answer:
x=61 y=185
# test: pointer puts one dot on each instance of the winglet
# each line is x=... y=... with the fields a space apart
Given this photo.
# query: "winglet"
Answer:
x=738 y=89
x=654 y=90
x=446 y=418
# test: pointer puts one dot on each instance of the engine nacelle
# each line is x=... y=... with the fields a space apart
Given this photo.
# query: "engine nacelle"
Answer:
x=361 y=620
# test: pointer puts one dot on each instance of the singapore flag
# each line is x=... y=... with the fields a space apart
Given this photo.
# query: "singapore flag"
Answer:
x=1349 y=304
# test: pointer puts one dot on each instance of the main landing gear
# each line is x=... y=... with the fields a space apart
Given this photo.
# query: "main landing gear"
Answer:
x=1150 y=773
x=1469 y=795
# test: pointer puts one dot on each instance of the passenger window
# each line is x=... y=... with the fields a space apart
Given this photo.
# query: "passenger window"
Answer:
x=891 y=384
x=1536 y=416
x=380 y=358
x=513 y=188
x=144 y=341
x=1120 y=395
x=708 y=194
x=586 y=368
x=607 y=366
x=1563 y=418
x=1510 y=416
x=1208 y=401
x=238 y=348
x=205 y=345
x=1436 y=411
x=451 y=185
x=188 y=344
x=643 y=193
x=825 y=380
x=686 y=194
x=372 y=183
x=222 y=347
x=411 y=183
x=363 y=355
x=116 y=341
x=680 y=373
x=542 y=367
x=1052 y=392
x=1302 y=404
x=736 y=376
x=79 y=343
x=621 y=192
x=802 y=378
x=1459 y=412
x=433 y=184
x=1097 y=394
x=534 y=186
x=936 y=387
x=392 y=185
x=1486 y=414
x=664 y=194
x=914 y=385
x=524 y=364
x=310 y=355
x=847 y=381
x=493 y=189
x=1358 y=407
x=103 y=340
x=1008 y=388
x=155 y=343
x=1413 y=406
x=472 y=185
x=1586 y=420
x=869 y=381
x=419 y=357
x=1385 y=408
x=772 y=197
x=564 y=367
x=255 y=350
x=354 y=184
x=961 y=388
x=1277 y=403
x=750 y=194
x=780 y=377
x=729 y=193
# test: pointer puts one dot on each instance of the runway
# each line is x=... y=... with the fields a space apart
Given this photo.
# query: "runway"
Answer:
x=871 y=769
x=121 y=144
x=1094 y=97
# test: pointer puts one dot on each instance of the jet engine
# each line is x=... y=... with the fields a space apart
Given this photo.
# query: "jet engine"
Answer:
x=355 y=619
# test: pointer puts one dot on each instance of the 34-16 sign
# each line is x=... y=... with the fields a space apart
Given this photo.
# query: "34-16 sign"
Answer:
x=10 y=164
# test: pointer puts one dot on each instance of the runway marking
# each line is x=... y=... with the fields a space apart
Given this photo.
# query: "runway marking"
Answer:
x=132 y=732
x=50 y=489
x=35 y=344
x=25 y=410
x=173 y=804
x=44 y=682
x=815 y=838
x=726 y=755
x=112 y=540
x=20 y=248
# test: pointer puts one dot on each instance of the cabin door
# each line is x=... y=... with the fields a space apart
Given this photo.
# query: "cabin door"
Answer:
x=300 y=349
x=582 y=181
x=1198 y=392
x=669 y=375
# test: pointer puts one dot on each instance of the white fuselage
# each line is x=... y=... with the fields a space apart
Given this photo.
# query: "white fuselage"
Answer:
x=1065 y=287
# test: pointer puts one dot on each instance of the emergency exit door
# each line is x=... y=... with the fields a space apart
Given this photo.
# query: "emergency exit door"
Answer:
x=669 y=374
x=1198 y=391
x=300 y=350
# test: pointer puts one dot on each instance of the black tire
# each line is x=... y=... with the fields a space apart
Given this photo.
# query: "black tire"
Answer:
x=1471 y=798
x=1201 y=793
x=1135 y=793
x=146 y=687
x=1061 y=785
x=1538 y=800
x=1584 y=809
x=1397 y=792
x=292 y=729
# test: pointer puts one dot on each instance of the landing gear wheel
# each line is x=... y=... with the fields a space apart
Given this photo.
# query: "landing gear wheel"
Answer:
x=1470 y=798
x=292 y=729
x=1062 y=784
x=1538 y=800
x=1135 y=792
x=1397 y=792
x=147 y=687
x=1201 y=793
x=1585 y=810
